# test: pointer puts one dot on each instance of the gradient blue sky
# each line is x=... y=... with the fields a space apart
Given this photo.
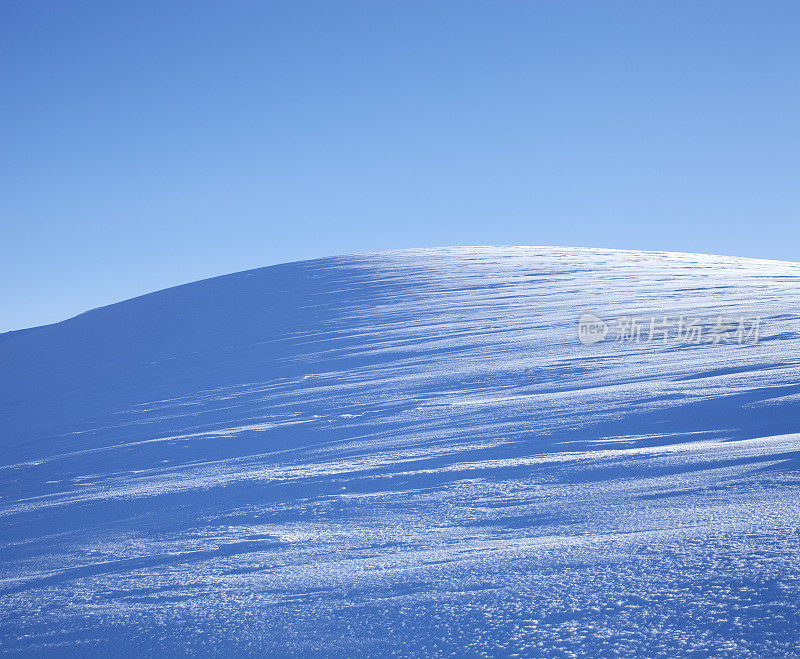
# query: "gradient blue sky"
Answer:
x=147 y=144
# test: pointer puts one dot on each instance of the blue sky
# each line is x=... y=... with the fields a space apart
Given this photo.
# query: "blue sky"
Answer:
x=149 y=144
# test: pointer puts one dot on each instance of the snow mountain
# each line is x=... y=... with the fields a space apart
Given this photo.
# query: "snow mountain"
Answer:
x=411 y=453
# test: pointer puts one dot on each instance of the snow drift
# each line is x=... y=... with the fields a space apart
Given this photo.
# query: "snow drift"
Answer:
x=408 y=452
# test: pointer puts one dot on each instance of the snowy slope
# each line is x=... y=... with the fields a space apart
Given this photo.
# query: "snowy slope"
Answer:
x=408 y=453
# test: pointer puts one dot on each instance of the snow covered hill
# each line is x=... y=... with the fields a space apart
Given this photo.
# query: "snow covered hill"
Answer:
x=411 y=453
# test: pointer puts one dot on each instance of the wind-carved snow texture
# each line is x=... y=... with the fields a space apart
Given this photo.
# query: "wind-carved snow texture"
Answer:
x=408 y=453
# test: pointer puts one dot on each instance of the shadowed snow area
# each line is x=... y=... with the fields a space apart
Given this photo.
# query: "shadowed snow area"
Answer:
x=408 y=453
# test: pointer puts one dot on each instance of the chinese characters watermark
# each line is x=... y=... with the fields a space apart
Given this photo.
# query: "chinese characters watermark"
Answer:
x=685 y=330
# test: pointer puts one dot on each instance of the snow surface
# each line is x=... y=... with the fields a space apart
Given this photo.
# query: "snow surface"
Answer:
x=408 y=453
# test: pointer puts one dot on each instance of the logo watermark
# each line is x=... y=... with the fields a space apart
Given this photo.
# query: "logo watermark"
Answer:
x=591 y=329
x=682 y=330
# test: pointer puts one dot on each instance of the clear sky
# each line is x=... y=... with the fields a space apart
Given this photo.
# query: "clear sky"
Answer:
x=147 y=144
